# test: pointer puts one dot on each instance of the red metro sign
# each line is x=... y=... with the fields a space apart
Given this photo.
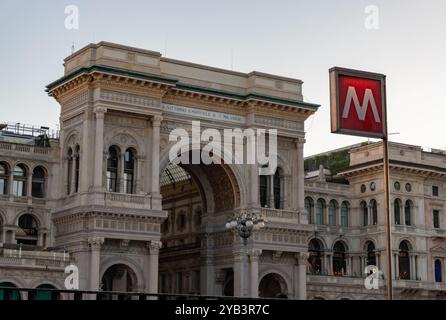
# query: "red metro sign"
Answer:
x=358 y=103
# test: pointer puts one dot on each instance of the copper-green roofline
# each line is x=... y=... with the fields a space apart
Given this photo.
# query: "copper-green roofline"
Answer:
x=178 y=85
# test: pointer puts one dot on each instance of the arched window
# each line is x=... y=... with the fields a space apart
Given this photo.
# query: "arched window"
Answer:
x=4 y=175
x=365 y=214
x=339 y=259
x=320 y=211
x=9 y=294
x=309 y=206
x=408 y=212
x=263 y=191
x=76 y=169
x=404 y=261
x=374 y=211
x=129 y=171
x=438 y=271
x=43 y=294
x=112 y=170
x=278 y=196
x=397 y=211
x=19 y=185
x=38 y=183
x=26 y=232
x=371 y=254
x=69 y=169
x=344 y=214
x=315 y=256
x=332 y=212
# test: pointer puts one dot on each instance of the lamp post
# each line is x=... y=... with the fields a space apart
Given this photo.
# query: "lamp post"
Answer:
x=245 y=223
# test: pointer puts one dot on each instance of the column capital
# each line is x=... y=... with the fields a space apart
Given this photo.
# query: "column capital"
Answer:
x=99 y=112
x=254 y=255
x=299 y=142
x=154 y=246
x=95 y=243
x=301 y=257
x=156 y=120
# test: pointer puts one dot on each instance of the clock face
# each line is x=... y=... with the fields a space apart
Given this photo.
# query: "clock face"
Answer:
x=408 y=187
x=397 y=185
x=363 y=188
x=372 y=186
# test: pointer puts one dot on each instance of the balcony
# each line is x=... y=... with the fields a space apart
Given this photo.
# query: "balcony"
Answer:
x=282 y=215
x=23 y=256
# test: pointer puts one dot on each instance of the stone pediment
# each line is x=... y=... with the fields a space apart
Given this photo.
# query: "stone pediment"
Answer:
x=439 y=249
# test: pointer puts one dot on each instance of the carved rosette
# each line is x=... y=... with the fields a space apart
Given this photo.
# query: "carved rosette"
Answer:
x=154 y=247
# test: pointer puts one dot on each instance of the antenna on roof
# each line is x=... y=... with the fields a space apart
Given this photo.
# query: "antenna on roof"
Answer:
x=232 y=59
x=72 y=48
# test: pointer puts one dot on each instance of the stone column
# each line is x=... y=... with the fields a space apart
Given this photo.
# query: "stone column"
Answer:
x=239 y=277
x=301 y=287
x=99 y=148
x=11 y=181
x=73 y=174
x=121 y=172
x=397 y=266
x=156 y=122
x=29 y=183
x=254 y=180
x=300 y=194
x=95 y=244
x=154 y=247
x=85 y=167
x=271 y=192
x=254 y=273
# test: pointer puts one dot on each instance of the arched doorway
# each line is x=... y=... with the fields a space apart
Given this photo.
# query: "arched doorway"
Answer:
x=9 y=294
x=273 y=285
x=404 y=260
x=119 y=277
x=193 y=195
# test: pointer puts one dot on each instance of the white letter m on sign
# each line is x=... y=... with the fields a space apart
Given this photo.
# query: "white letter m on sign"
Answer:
x=361 y=110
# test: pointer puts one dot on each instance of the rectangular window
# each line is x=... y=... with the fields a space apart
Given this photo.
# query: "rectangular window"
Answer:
x=2 y=186
x=18 y=188
x=436 y=218
x=435 y=191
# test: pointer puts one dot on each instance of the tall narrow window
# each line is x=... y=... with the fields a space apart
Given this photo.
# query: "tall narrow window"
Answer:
x=374 y=211
x=315 y=256
x=397 y=211
x=19 y=185
x=26 y=232
x=112 y=169
x=69 y=169
x=339 y=259
x=38 y=183
x=408 y=213
x=436 y=218
x=438 y=271
x=309 y=207
x=404 y=261
x=365 y=214
x=76 y=169
x=278 y=201
x=129 y=171
x=435 y=191
x=332 y=213
x=344 y=214
x=371 y=255
x=4 y=173
x=320 y=211
x=263 y=191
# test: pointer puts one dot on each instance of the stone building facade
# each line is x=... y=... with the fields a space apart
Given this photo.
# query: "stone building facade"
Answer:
x=105 y=197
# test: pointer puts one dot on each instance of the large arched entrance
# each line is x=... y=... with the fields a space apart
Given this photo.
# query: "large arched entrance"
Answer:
x=196 y=197
x=119 y=277
x=273 y=285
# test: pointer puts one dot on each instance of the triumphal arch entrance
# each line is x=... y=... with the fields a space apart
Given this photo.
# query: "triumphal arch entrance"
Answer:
x=133 y=218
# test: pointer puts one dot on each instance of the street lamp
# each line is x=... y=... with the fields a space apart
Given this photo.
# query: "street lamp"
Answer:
x=245 y=224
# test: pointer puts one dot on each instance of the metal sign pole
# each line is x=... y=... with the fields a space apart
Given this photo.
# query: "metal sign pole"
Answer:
x=387 y=212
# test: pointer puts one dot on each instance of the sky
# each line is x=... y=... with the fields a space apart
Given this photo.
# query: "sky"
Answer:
x=403 y=39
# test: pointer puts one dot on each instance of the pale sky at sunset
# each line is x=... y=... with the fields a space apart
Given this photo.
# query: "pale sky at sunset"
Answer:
x=300 y=39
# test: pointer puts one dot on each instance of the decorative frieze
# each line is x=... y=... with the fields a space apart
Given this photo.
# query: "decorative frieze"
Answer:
x=129 y=98
x=279 y=123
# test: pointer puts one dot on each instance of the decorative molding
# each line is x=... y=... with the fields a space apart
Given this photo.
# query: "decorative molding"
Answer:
x=129 y=98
